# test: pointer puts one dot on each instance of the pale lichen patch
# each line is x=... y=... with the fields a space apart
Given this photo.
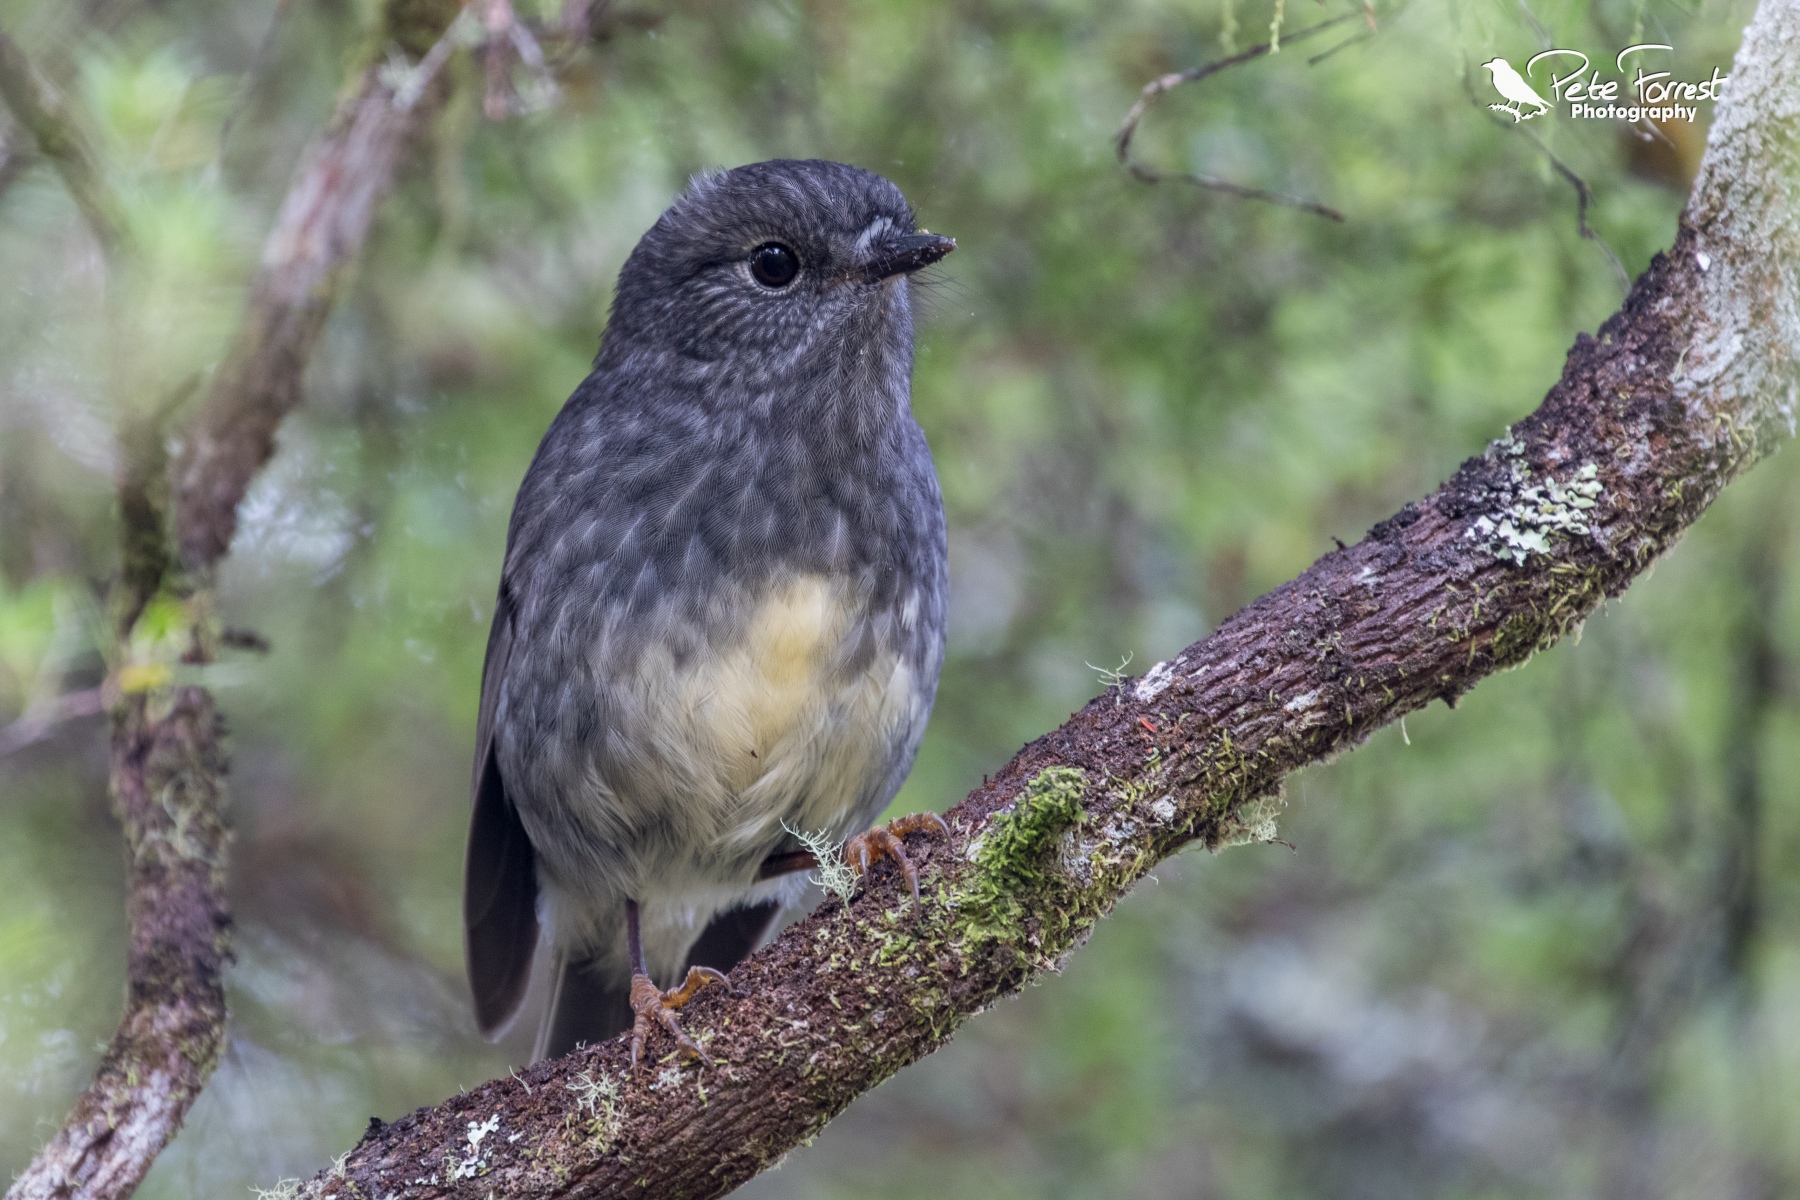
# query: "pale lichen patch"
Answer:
x=1252 y=822
x=472 y=1164
x=1534 y=509
x=835 y=875
x=1155 y=681
x=597 y=1099
x=1115 y=676
x=1072 y=853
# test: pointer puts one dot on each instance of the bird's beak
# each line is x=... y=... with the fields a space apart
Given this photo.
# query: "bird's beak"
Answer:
x=903 y=255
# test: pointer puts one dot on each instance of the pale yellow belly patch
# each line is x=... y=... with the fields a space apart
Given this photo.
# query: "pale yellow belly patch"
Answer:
x=772 y=726
x=757 y=692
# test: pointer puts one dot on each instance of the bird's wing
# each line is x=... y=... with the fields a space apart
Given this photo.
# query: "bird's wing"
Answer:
x=500 y=923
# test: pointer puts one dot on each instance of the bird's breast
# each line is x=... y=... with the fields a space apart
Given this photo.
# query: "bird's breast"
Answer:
x=756 y=694
x=797 y=707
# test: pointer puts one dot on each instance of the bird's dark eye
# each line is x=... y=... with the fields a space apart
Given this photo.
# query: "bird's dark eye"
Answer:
x=774 y=265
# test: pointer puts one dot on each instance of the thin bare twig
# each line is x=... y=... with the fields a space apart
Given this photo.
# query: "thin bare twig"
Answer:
x=40 y=722
x=14 y=158
x=1156 y=87
x=1243 y=192
x=1584 y=195
x=530 y=53
x=410 y=81
x=45 y=114
x=496 y=54
x=1354 y=39
x=252 y=77
x=506 y=37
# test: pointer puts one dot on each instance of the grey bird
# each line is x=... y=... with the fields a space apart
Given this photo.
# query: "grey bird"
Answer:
x=721 y=611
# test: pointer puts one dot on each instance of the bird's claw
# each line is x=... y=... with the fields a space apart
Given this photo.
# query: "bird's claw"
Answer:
x=884 y=841
x=650 y=1003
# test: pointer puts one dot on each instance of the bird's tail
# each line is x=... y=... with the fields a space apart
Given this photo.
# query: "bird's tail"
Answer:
x=590 y=1001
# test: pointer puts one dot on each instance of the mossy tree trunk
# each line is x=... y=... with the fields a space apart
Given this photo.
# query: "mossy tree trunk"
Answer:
x=168 y=763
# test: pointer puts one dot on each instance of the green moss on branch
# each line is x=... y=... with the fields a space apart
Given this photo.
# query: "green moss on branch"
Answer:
x=1011 y=859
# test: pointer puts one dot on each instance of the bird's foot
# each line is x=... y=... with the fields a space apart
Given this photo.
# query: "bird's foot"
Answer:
x=650 y=1003
x=884 y=841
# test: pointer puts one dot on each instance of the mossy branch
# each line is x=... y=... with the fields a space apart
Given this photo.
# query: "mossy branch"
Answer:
x=168 y=761
x=1687 y=386
x=1011 y=860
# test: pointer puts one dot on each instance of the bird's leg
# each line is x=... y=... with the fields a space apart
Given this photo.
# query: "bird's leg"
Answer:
x=884 y=841
x=651 y=1003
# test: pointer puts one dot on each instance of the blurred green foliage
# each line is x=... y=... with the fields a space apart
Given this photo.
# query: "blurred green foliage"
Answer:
x=1546 y=945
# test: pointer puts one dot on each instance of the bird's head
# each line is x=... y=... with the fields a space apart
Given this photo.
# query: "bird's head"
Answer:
x=773 y=269
x=1494 y=65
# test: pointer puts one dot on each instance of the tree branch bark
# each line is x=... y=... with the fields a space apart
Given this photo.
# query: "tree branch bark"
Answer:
x=45 y=117
x=168 y=761
x=1686 y=387
x=318 y=232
